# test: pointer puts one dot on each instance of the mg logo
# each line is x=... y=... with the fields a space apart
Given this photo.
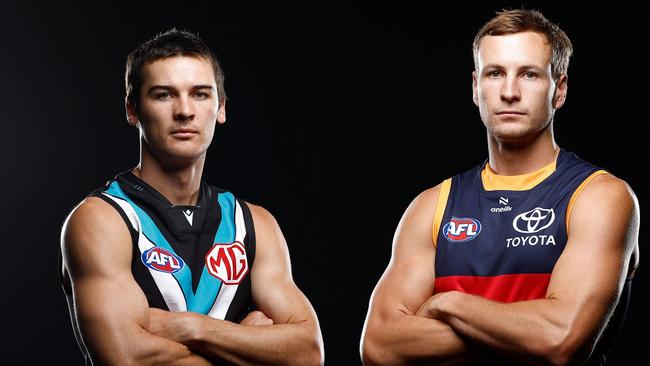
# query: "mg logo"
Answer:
x=534 y=220
x=227 y=262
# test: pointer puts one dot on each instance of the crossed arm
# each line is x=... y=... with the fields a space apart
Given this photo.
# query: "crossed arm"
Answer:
x=406 y=324
x=117 y=326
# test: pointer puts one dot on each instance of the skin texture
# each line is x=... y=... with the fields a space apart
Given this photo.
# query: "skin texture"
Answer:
x=176 y=116
x=408 y=324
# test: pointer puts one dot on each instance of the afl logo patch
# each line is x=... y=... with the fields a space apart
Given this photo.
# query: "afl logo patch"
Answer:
x=461 y=229
x=227 y=262
x=162 y=260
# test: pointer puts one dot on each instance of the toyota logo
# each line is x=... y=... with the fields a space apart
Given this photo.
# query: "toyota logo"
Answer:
x=534 y=220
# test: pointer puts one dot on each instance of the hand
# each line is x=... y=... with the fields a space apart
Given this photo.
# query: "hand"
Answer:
x=432 y=307
x=256 y=317
x=176 y=326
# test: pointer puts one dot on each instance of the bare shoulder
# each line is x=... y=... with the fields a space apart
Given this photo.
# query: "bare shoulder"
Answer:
x=608 y=209
x=261 y=216
x=427 y=200
x=420 y=212
x=92 y=216
x=267 y=229
x=269 y=240
x=610 y=186
x=93 y=228
x=610 y=194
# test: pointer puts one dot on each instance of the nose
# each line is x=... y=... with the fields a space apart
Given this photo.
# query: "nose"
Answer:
x=183 y=109
x=510 y=90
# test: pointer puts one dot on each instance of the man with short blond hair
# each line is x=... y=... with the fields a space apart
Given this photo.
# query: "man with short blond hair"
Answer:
x=527 y=257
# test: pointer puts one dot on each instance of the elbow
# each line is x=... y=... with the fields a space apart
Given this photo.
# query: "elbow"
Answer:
x=370 y=353
x=373 y=353
x=315 y=356
x=312 y=351
x=565 y=347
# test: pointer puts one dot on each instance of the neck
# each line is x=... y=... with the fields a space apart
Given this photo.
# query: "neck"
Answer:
x=508 y=158
x=179 y=183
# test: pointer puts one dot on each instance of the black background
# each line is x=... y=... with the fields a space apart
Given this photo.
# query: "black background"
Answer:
x=338 y=116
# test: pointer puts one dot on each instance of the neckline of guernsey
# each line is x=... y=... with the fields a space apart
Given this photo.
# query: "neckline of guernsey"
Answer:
x=160 y=197
x=523 y=182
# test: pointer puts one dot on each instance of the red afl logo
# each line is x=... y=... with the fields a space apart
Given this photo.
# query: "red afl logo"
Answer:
x=462 y=229
x=162 y=260
x=227 y=262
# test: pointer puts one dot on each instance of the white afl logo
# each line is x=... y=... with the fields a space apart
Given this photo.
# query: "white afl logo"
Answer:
x=534 y=220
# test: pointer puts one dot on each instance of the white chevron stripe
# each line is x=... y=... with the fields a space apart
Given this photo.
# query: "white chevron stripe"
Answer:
x=128 y=210
x=167 y=284
x=169 y=288
x=227 y=292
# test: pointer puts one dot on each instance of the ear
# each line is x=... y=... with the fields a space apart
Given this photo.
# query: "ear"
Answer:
x=131 y=117
x=475 y=88
x=221 y=113
x=561 y=87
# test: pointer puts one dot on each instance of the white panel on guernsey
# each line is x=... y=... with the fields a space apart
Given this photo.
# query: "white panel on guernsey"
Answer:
x=227 y=292
x=128 y=210
x=166 y=282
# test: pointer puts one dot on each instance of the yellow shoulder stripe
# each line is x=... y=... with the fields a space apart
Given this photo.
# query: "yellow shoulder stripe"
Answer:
x=443 y=196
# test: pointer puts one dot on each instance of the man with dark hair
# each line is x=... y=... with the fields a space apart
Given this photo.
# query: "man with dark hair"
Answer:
x=527 y=257
x=161 y=268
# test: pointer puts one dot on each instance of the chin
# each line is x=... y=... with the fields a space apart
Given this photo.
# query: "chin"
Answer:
x=184 y=152
x=511 y=132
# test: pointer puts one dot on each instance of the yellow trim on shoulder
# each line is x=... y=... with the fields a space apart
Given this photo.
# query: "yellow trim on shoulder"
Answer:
x=494 y=182
x=443 y=196
x=577 y=192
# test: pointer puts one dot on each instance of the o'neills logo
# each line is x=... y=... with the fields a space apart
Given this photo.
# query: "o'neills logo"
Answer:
x=501 y=209
x=462 y=229
x=503 y=201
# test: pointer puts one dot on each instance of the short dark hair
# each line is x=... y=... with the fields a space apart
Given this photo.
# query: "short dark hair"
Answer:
x=168 y=44
x=522 y=20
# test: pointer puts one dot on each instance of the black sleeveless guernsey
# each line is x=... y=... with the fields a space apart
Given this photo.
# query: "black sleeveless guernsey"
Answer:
x=185 y=258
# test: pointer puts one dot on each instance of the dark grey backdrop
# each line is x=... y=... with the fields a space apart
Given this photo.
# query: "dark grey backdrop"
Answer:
x=338 y=116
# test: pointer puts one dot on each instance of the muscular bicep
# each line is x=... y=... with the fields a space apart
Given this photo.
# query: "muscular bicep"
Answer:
x=111 y=310
x=273 y=288
x=409 y=278
x=108 y=304
x=590 y=273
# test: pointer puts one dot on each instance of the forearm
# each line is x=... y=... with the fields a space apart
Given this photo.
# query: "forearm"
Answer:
x=404 y=339
x=278 y=344
x=140 y=348
x=530 y=331
x=159 y=351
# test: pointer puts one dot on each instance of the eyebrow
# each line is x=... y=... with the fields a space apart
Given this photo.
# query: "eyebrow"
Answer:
x=205 y=86
x=522 y=67
x=171 y=88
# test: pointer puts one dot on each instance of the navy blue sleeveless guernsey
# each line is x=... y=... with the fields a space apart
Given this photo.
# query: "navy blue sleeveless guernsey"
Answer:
x=186 y=258
x=502 y=243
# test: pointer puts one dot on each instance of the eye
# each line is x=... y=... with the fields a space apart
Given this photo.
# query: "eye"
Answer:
x=202 y=95
x=494 y=74
x=164 y=95
x=530 y=75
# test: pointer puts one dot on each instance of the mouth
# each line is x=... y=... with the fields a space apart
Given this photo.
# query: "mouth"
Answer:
x=183 y=133
x=510 y=113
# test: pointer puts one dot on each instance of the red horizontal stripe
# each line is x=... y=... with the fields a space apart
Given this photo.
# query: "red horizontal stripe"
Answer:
x=504 y=288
